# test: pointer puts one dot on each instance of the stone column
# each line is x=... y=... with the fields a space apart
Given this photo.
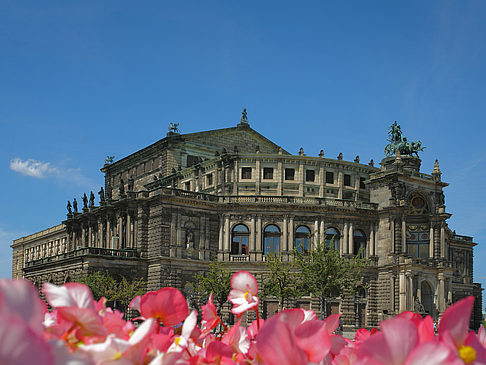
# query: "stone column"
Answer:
x=431 y=240
x=220 y=238
x=90 y=235
x=252 y=235
x=351 y=239
x=258 y=177
x=227 y=235
x=259 y=243
x=280 y=178
x=402 y=292
x=443 y=253
x=441 y=296
x=392 y=250
x=302 y=178
x=371 y=244
x=100 y=233
x=322 y=180
x=404 y=235
x=291 y=234
x=340 y=185
x=345 y=243
x=83 y=237
x=321 y=231
x=285 y=243
x=128 y=232
x=108 y=233
x=120 y=233
x=135 y=243
x=235 y=178
x=316 y=233
x=409 y=291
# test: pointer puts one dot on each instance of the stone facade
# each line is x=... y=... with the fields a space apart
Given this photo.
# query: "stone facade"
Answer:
x=232 y=195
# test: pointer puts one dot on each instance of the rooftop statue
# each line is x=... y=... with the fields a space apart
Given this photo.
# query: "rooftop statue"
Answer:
x=244 y=116
x=400 y=143
x=109 y=160
x=174 y=128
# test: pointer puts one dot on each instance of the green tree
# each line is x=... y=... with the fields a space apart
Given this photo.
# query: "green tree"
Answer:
x=101 y=283
x=281 y=280
x=216 y=280
x=325 y=273
x=120 y=292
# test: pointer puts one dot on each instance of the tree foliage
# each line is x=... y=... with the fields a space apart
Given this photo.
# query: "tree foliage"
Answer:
x=216 y=280
x=325 y=273
x=119 y=291
x=282 y=280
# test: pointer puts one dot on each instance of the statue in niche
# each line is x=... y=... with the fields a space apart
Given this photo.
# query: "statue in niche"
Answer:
x=91 y=199
x=70 y=211
x=121 y=189
x=108 y=192
x=189 y=239
x=101 y=193
x=75 y=205
x=85 y=201
x=130 y=183
x=418 y=307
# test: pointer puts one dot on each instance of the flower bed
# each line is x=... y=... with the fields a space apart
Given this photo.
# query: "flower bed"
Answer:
x=81 y=331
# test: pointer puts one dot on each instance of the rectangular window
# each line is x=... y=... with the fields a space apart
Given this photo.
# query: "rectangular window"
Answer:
x=329 y=177
x=361 y=183
x=246 y=172
x=310 y=175
x=347 y=180
x=289 y=174
x=187 y=185
x=209 y=179
x=268 y=173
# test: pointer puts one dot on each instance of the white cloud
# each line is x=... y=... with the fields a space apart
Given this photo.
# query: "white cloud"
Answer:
x=32 y=167
x=41 y=170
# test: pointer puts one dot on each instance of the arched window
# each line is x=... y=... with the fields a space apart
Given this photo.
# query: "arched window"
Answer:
x=302 y=234
x=271 y=239
x=359 y=243
x=427 y=296
x=331 y=237
x=239 y=240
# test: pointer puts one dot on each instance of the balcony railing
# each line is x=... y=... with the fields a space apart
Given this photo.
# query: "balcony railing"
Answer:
x=239 y=258
x=297 y=200
x=85 y=251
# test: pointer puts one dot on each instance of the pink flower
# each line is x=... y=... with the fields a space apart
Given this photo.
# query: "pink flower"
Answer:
x=75 y=304
x=243 y=292
x=19 y=299
x=314 y=339
x=167 y=305
x=237 y=338
x=276 y=345
x=19 y=344
x=210 y=318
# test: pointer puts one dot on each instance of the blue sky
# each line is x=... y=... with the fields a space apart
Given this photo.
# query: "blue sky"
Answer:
x=81 y=80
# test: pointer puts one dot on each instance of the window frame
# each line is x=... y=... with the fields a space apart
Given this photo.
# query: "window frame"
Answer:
x=246 y=173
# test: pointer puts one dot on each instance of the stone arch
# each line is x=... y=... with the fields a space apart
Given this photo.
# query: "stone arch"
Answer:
x=418 y=202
